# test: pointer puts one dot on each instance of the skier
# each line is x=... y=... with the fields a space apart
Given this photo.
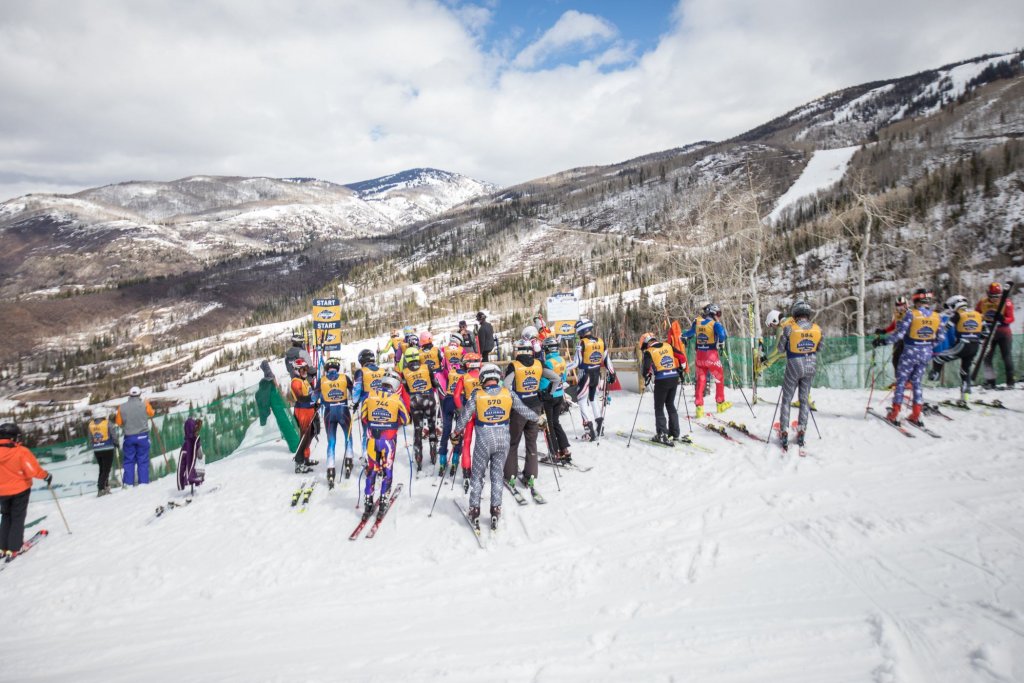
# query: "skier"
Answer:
x=531 y=335
x=462 y=443
x=449 y=380
x=590 y=358
x=552 y=395
x=420 y=383
x=800 y=341
x=191 y=461
x=484 y=336
x=543 y=331
x=898 y=313
x=710 y=337
x=335 y=393
x=382 y=413
x=412 y=341
x=295 y=351
x=773 y=321
x=17 y=469
x=661 y=367
x=1002 y=338
x=523 y=375
x=490 y=407
x=430 y=354
x=920 y=330
x=305 y=412
x=367 y=377
x=466 y=337
x=133 y=418
x=393 y=345
x=964 y=327
x=104 y=445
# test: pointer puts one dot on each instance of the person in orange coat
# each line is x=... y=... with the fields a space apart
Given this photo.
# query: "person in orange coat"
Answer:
x=17 y=469
x=305 y=411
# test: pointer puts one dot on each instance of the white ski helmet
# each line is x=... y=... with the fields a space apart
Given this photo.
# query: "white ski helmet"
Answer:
x=529 y=332
x=773 y=319
x=488 y=372
x=389 y=384
x=957 y=302
x=584 y=326
x=135 y=391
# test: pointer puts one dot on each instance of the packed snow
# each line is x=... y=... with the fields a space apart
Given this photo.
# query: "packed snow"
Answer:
x=875 y=558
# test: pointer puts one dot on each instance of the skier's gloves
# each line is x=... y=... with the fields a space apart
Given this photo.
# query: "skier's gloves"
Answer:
x=879 y=330
x=542 y=421
x=48 y=479
x=611 y=378
x=878 y=341
x=456 y=438
x=647 y=380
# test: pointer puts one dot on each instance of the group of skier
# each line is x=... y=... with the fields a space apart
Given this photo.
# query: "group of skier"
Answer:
x=473 y=415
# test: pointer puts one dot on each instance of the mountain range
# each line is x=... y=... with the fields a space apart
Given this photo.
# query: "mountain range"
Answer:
x=939 y=153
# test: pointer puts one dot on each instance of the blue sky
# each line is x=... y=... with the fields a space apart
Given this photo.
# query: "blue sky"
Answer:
x=501 y=90
x=517 y=24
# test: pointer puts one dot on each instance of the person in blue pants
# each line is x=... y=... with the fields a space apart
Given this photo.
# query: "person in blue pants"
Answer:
x=455 y=370
x=335 y=392
x=133 y=417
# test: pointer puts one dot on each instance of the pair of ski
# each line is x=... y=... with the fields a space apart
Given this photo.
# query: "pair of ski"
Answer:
x=301 y=495
x=777 y=428
x=474 y=526
x=995 y=403
x=715 y=429
x=25 y=547
x=521 y=499
x=392 y=499
x=548 y=461
x=683 y=440
x=739 y=427
x=161 y=510
x=903 y=430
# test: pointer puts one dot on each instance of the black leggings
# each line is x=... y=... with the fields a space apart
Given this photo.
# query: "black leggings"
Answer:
x=1003 y=340
x=552 y=409
x=665 y=400
x=12 y=526
x=105 y=458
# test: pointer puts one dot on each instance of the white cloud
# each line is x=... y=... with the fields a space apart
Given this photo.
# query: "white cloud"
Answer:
x=348 y=90
x=572 y=30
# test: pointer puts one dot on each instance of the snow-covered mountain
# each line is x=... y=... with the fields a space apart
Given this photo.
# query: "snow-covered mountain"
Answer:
x=143 y=229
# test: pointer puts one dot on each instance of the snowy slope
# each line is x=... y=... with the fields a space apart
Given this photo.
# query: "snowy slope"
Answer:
x=877 y=558
x=825 y=169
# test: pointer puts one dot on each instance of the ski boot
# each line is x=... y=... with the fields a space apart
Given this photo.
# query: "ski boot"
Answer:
x=367 y=508
x=933 y=374
x=419 y=463
x=589 y=433
x=784 y=440
x=330 y=478
x=723 y=406
x=474 y=516
x=348 y=466
x=382 y=506
x=663 y=439
x=800 y=438
x=311 y=462
x=988 y=384
x=433 y=451
x=894 y=414
x=302 y=468
x=528 y=482
x=699 y=413
x=7 y=555
x=466 y=475
x=915 y=415
x=495 y=516
x=566 y=456
x=453 y=469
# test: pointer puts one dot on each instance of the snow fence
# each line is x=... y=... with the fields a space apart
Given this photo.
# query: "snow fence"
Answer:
x=253 y=416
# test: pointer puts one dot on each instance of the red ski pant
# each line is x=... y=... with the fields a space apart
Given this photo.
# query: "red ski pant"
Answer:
x=708 y=361
x=304 y=416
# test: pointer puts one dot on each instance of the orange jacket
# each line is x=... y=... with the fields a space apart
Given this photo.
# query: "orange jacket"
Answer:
x=17 y=467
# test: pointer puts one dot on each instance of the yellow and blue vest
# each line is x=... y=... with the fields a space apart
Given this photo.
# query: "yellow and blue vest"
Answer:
x=334 y=390
x=493 y=409
x=664 y=360
x=526 y=382
x=923 y=328
x=99 y=434
x=803 y=342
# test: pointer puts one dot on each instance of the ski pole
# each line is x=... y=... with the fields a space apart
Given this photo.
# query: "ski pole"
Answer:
x=739 y=385
x=440 y=485
x=768 y=440
x=639 y=401
x=549 y=437
x=813 y=419
x=408 y=453
x=686 y=406
x=54 y=494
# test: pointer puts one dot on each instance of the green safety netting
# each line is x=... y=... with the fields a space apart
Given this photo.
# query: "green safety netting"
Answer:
x=849 y=363
x=255 y=415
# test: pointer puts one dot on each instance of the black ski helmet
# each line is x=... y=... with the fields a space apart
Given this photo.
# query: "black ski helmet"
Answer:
x=550 y=345
x=332 y=364
x=366 y=357
x=801 y=309
x=712 y=310
x=9 y=430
